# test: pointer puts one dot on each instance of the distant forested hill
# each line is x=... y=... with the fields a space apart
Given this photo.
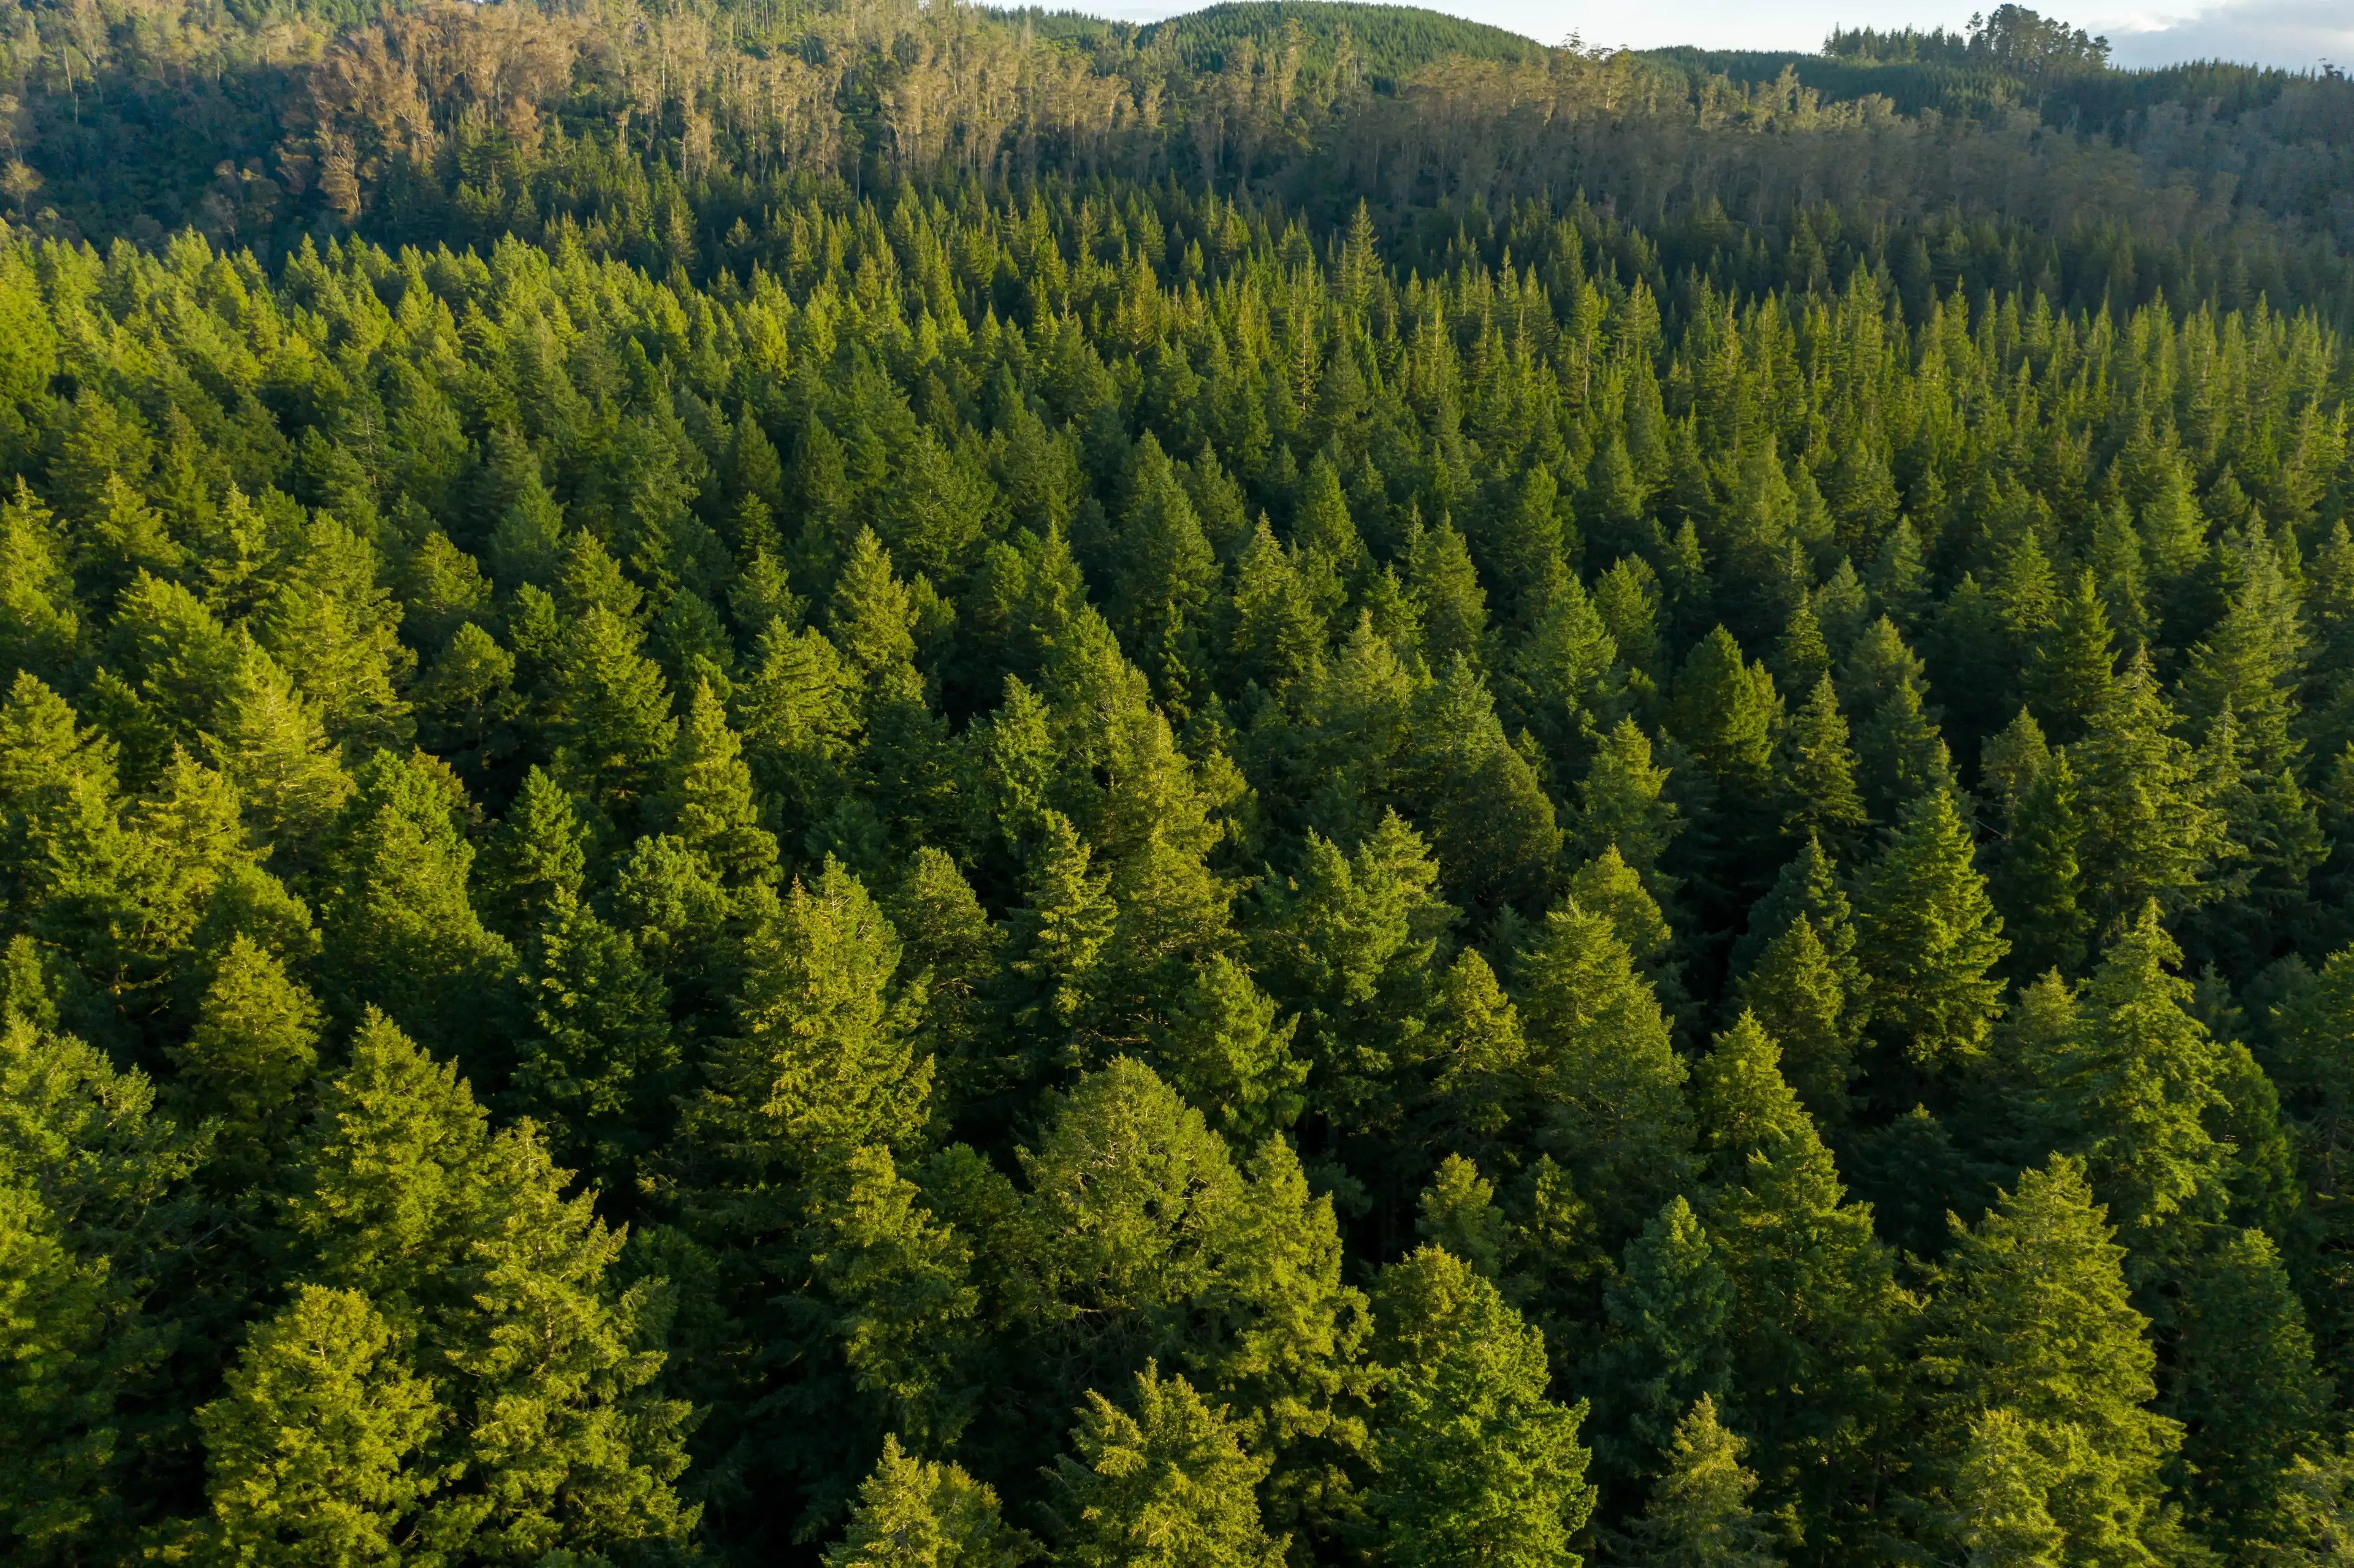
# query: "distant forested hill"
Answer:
x=1386 y=43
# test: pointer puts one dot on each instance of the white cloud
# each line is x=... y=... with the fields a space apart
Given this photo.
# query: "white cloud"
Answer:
x=2297 y=33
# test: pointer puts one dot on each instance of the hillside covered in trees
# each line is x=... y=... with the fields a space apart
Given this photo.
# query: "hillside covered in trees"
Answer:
x=887 y=787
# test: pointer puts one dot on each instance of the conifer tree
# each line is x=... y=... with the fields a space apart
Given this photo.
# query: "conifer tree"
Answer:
x=824 y=1062
x=1276 y=634
x=871 y=619
x=1331 y=556
x=2251 y=660
x=951 y=941
x=609 y=710
x=1699 y=1514
x=2073 y=670
x=538 y=856
x=2031 y=1319
x=915 y=1513
x=1352 y=941
x=593 y=1059
x=41 y=623
x=1166 y=1484
x=1521 y=547
x=1475 y=1463
x=2001 y=1496
x=1446 y=588
x=1607 y=886
x=1060 y=932
x=2250 y=1397
x=1899 y=754
x=1600 y=1055
x=315 y=1449
x=1225 y=1049
x=1168 y=571
x=1809 y=884
x=400 y=928
x=1798 y=997
x=1726 y=712
x=1483 y=1083
x=2038 y=882
x=1817 y=1311
x=2149 y=829
x=330 y=626
x=93 y=1207
x=710 y=799
x=1562 y=680
x=1818 y=774
x=253 y=1048
x=1624 y=808
x=1929 y=936
x=903 y=1306
x=554 y=1437
x=1668 y=1314
x=270 y=744
x=2143 y=1085
x=1457 y=1214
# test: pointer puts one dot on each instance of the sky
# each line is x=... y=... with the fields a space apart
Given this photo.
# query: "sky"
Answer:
x=2298 y=34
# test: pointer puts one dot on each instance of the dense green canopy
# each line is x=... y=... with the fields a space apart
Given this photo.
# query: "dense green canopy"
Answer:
x=919 y=787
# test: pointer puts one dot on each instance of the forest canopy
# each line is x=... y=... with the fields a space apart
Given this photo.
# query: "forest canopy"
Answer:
x=890 y=786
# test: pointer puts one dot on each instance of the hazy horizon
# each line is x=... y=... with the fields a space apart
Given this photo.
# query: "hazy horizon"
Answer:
x=2295 y=34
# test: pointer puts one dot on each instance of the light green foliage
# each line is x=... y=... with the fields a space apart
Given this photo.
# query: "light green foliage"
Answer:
x=2144 y=1084
x=315 y=1449
x=1599 y=1054
x=710 y=799
x=592 y=1064
x=267 y=740
x=903 y=1305
x=1699 y=1514
x=2031 y=1319
x=1798 y=997
x=537 y=857
x=1819 y=771
x=1622 y=799
x=2149 y=831
x=1929 y=937
x=1137 y=1220
x=824 y=1062
x=2318 y=1498
x=1817 y=1309
x=1475 y=1463
x=1608 y=886
x=1457 y=1214
x=400 y=922
x=1166 y=1483
x=1060 y=933
x=554 y=1436
x=1353 y=941
x=330 y=625
x=914 y=1513
x=1725 y=712
x=929 y=657
x=2001 y=1495
x=40 y=624
x=254 y=1045
x=1226 y=1050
